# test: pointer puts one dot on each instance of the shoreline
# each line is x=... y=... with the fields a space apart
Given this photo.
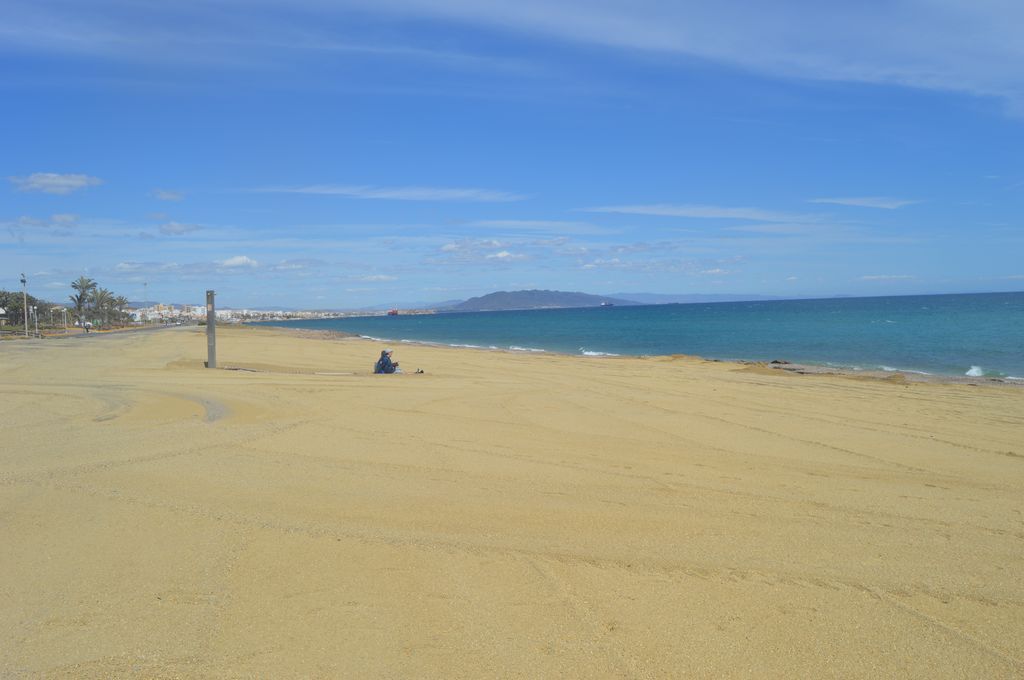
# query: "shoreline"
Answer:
x=777 y=365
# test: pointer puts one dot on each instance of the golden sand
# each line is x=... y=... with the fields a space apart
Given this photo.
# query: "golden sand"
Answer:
x=501 y=516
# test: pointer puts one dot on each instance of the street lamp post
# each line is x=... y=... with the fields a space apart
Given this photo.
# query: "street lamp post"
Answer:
x=24 y=300
x=35 y=316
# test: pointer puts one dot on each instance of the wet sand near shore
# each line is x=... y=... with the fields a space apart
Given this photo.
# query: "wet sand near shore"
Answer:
x=502 y=515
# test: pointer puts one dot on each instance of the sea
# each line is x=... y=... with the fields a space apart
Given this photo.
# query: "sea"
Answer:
x=975 y=335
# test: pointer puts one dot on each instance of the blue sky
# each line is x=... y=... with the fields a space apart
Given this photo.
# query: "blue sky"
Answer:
x=343 y=154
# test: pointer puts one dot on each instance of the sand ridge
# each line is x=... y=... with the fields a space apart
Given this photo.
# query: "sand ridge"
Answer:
x=501 y=515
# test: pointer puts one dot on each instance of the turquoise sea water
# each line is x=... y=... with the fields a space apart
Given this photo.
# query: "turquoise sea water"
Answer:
x=980 y=334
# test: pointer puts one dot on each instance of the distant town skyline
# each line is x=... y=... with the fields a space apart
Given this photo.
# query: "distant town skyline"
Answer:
x=339 y=155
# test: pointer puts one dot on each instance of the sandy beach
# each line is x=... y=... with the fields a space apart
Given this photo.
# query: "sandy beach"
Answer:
x=502 y=515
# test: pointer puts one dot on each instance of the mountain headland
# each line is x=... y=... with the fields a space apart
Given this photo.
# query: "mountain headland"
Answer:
x=533 y=299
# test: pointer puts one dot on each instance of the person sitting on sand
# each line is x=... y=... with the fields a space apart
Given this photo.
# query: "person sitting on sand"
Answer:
x=384 y=364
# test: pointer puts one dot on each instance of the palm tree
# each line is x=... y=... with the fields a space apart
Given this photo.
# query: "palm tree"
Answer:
x=102 y=300
x=84 y=287
x=120 y=302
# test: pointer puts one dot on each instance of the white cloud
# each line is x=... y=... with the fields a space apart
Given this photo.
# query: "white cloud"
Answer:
x=701 y=212
x=154 y=268
x=53 y=183
x=165 y=195
x=238 y=261
x=412 y=193
x=867 y=202
x=467 y=251
x=675 y=265
x=298 y=265
x=504 y=256
x=376 y=277
x=612 y=262
x=471 y=245
x=887 y=277
x=177 y=228
x=64 y=218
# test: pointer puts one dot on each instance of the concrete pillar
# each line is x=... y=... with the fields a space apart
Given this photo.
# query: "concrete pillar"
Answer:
x=211 y=331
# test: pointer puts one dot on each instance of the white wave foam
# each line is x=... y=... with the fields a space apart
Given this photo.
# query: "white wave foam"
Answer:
x=975 y=372
x=588 y=353
x=890 y=369
x=516 y=348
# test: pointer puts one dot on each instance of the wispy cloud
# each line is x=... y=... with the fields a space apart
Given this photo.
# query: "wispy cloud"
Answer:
x=410 y=193
x=177 y=228
x=471 y=245
x=238 y=261
x=166 y=195
x=200 y=35
x=674 y=265
x=59 y=225
x=545 y=226
x=297 y=265
x=780 y=229
x=701 y=212
x=504 y=256
x=968 y=46
x=370 y=278
x=54 y=183
x=867 y=202
x=958 y=45
x=468 y=251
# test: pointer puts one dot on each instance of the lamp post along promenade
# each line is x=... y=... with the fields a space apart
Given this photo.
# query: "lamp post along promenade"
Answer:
x=24 y=300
